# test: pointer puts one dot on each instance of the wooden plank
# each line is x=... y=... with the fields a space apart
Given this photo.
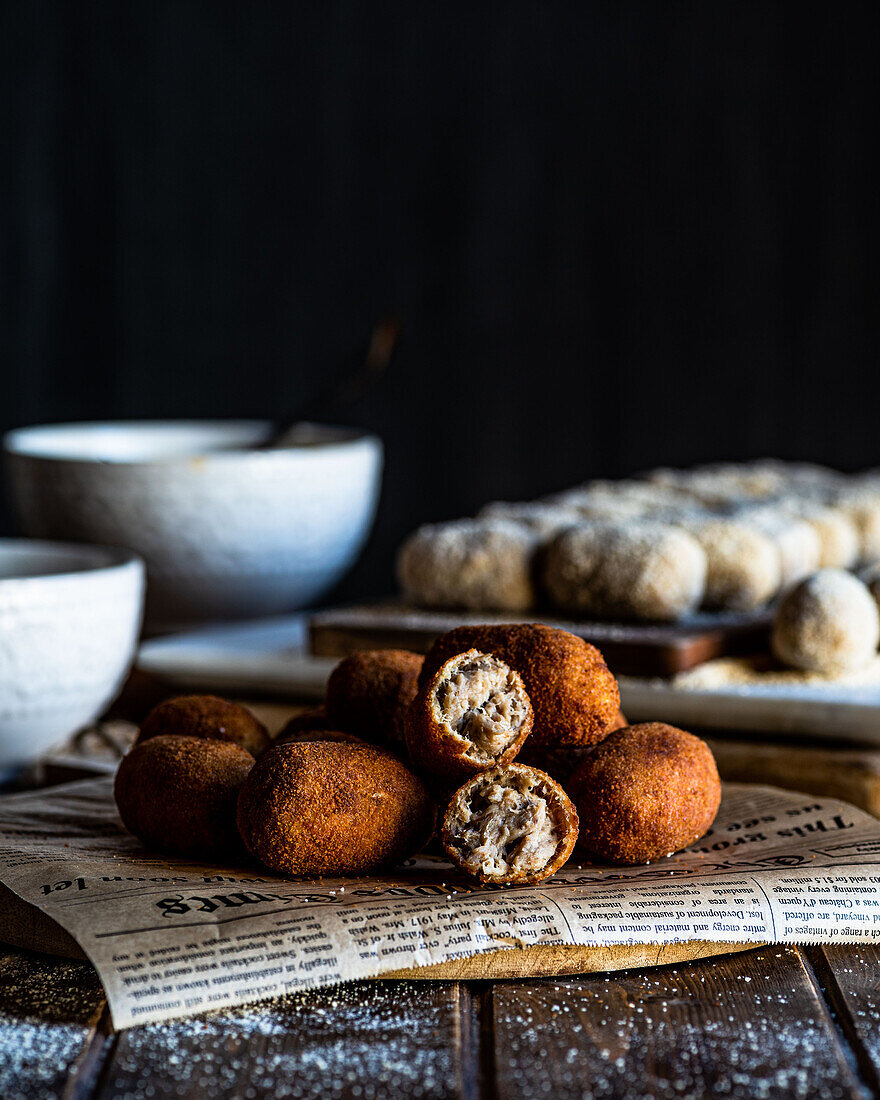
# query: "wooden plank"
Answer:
x=363 y=1040
x=852 y=775
x=632 y=649
x=850 y=977
x=554 y=960
x=751 y=1025
x=50 y=1039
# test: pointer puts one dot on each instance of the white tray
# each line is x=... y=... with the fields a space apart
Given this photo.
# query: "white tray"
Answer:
x=268 y=655
x=824 y=711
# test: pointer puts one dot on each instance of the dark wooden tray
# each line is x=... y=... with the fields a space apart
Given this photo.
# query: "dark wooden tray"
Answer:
x=631 y=649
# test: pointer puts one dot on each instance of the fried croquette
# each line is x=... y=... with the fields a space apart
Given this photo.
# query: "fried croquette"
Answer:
x=828 y=623
x=574 y=696
x=510 y=824
x=309 y=721
x=206 y=716
x=474 y=714
x=178 y=794
x=314 y=725
x=561 y=761
x=327 y=808
x=369 y=693
x=647 y=791
x=479 y=564
x=644 y=571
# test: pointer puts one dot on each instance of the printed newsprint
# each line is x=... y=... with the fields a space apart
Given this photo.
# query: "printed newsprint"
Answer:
x=171 y=938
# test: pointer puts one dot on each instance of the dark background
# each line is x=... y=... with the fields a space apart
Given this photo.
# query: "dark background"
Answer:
x=618 y=234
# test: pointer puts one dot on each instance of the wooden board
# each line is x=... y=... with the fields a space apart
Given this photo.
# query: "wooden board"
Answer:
x=53 y=1026
x=852 y=775
x=752 y=1026
x=774 y=1022
x=26 y=927
x=633 y=649
x=850 y=978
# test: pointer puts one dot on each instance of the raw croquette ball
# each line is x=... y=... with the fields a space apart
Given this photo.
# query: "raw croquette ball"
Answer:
x=828 y=623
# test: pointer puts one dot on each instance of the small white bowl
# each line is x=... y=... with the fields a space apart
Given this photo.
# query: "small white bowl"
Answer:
x=225 y=534
x=69 y=622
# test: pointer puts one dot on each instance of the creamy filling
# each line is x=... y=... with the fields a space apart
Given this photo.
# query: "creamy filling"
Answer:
x=505 y=830
x=481 y=703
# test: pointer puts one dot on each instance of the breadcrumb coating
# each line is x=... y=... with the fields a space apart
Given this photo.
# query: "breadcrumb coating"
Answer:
x=484 y=565
x=647 y=791
x=743 y=568
x=333 y=809
x=644 y=571
x=178 y=794
x=560 y=762
x=862 y=504
x=838 y=535
x=574 y=696
x=206 y=716
x=797 y=542
x=542 y=518
x=369 y=693
x=828 y=623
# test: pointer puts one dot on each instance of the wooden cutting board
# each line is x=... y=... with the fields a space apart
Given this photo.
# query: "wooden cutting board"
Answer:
x=631 y=649
x=30 y=929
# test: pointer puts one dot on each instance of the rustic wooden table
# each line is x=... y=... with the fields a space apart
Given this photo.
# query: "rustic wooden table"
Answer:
x=775 y=1021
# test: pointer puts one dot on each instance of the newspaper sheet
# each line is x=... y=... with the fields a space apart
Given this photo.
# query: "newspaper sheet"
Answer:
x=171 y=938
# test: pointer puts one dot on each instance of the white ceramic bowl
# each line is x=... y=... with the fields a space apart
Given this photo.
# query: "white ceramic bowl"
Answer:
x=225 y=534
x=69 y=622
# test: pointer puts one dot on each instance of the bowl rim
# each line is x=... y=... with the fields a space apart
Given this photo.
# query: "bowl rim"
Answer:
x=23 y=442
x=95 y=559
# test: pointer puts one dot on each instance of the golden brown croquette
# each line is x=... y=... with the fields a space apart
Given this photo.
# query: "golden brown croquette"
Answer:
x=312 y=725
x=573 y=694
x=473 y=715
x=647 y=791
x=206 y=716
x=178 y=794
x=511 y=824
x=560 y=762
x=324 y=808
x=369 y=693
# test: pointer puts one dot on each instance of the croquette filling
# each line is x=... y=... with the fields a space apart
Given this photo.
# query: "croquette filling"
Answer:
x=505 y=828
x=482 y=703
